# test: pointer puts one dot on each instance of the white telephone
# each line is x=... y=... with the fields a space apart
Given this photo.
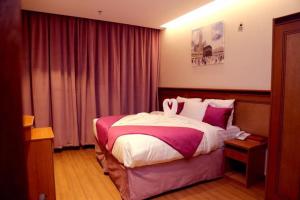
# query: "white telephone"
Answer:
x=242 y=135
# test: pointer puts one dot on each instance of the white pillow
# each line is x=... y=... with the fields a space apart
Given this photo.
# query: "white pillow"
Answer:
x=183 y=99
x=194 y=110
x=220 y=103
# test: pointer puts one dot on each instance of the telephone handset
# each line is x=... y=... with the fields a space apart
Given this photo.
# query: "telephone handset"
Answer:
x=242 y=135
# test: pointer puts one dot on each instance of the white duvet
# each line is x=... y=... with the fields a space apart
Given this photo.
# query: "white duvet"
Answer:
x=139 y=150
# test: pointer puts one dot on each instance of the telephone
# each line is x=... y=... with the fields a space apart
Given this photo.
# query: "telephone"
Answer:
x=242 y=135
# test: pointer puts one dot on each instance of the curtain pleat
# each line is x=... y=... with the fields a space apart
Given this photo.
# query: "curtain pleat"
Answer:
x=78 y=69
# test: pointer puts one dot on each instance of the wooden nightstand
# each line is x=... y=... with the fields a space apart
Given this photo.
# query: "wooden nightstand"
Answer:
x=245 y=159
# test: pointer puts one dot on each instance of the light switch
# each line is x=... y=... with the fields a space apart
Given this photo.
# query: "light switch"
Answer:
x=241 y=27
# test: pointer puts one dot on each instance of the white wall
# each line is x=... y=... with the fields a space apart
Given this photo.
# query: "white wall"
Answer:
x=248 y=54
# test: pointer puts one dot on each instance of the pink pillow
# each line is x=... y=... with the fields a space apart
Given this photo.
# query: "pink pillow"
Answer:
x=217 y=116
x=179 y=108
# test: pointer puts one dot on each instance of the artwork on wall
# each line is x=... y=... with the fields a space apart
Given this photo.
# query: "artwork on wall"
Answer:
x=208 y=45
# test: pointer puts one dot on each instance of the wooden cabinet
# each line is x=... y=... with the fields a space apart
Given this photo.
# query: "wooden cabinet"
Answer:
x=283 y=175
x=244 y=160
x=40 y=167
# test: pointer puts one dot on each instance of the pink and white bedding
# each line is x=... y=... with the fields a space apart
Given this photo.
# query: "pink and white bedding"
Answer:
x=134 y=150
x=182 y=139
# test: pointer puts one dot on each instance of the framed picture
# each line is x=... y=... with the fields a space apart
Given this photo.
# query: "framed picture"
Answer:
x=208 y=45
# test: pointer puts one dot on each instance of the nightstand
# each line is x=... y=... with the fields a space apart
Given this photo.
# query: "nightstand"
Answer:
x=245 y=159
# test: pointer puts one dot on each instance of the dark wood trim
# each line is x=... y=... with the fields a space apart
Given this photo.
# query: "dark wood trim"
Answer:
x=286 y=19
x=13 y=178
x=254 y=96
x=246 y=91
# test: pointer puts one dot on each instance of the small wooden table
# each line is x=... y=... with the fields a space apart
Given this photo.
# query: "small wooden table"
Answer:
x=245 y=160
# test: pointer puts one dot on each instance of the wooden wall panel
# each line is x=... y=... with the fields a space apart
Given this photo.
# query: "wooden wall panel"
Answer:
x=253 y=117
x=252 y=107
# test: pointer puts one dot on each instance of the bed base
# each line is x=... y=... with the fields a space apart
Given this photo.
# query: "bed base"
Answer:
x=147 y=181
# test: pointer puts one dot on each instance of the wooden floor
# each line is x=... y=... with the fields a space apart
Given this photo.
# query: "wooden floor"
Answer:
x=78 y=176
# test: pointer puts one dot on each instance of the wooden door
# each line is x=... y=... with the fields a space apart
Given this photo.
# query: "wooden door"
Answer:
x=283 y=176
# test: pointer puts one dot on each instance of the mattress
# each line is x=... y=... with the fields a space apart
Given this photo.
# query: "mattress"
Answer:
x=141 y=150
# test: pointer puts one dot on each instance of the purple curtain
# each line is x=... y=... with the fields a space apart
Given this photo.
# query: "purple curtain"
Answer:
x=78 y=69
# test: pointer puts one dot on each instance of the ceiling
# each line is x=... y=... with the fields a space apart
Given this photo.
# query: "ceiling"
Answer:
x=147 y=13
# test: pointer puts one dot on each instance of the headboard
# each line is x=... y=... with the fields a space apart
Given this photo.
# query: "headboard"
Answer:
x=252 y=107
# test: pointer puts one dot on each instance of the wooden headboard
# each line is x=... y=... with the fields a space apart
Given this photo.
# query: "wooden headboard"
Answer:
x=252 y=107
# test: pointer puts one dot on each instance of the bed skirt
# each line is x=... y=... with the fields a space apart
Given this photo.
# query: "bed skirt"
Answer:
x=147 y=181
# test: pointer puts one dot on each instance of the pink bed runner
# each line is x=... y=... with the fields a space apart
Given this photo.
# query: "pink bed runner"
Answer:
x=184 y=140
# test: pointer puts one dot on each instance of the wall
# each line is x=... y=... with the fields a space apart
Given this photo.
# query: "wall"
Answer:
x=248 y=54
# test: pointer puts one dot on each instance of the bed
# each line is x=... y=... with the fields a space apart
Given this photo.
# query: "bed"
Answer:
x=142 y=166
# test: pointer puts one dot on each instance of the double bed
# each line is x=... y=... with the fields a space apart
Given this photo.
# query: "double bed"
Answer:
x=143 y=165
